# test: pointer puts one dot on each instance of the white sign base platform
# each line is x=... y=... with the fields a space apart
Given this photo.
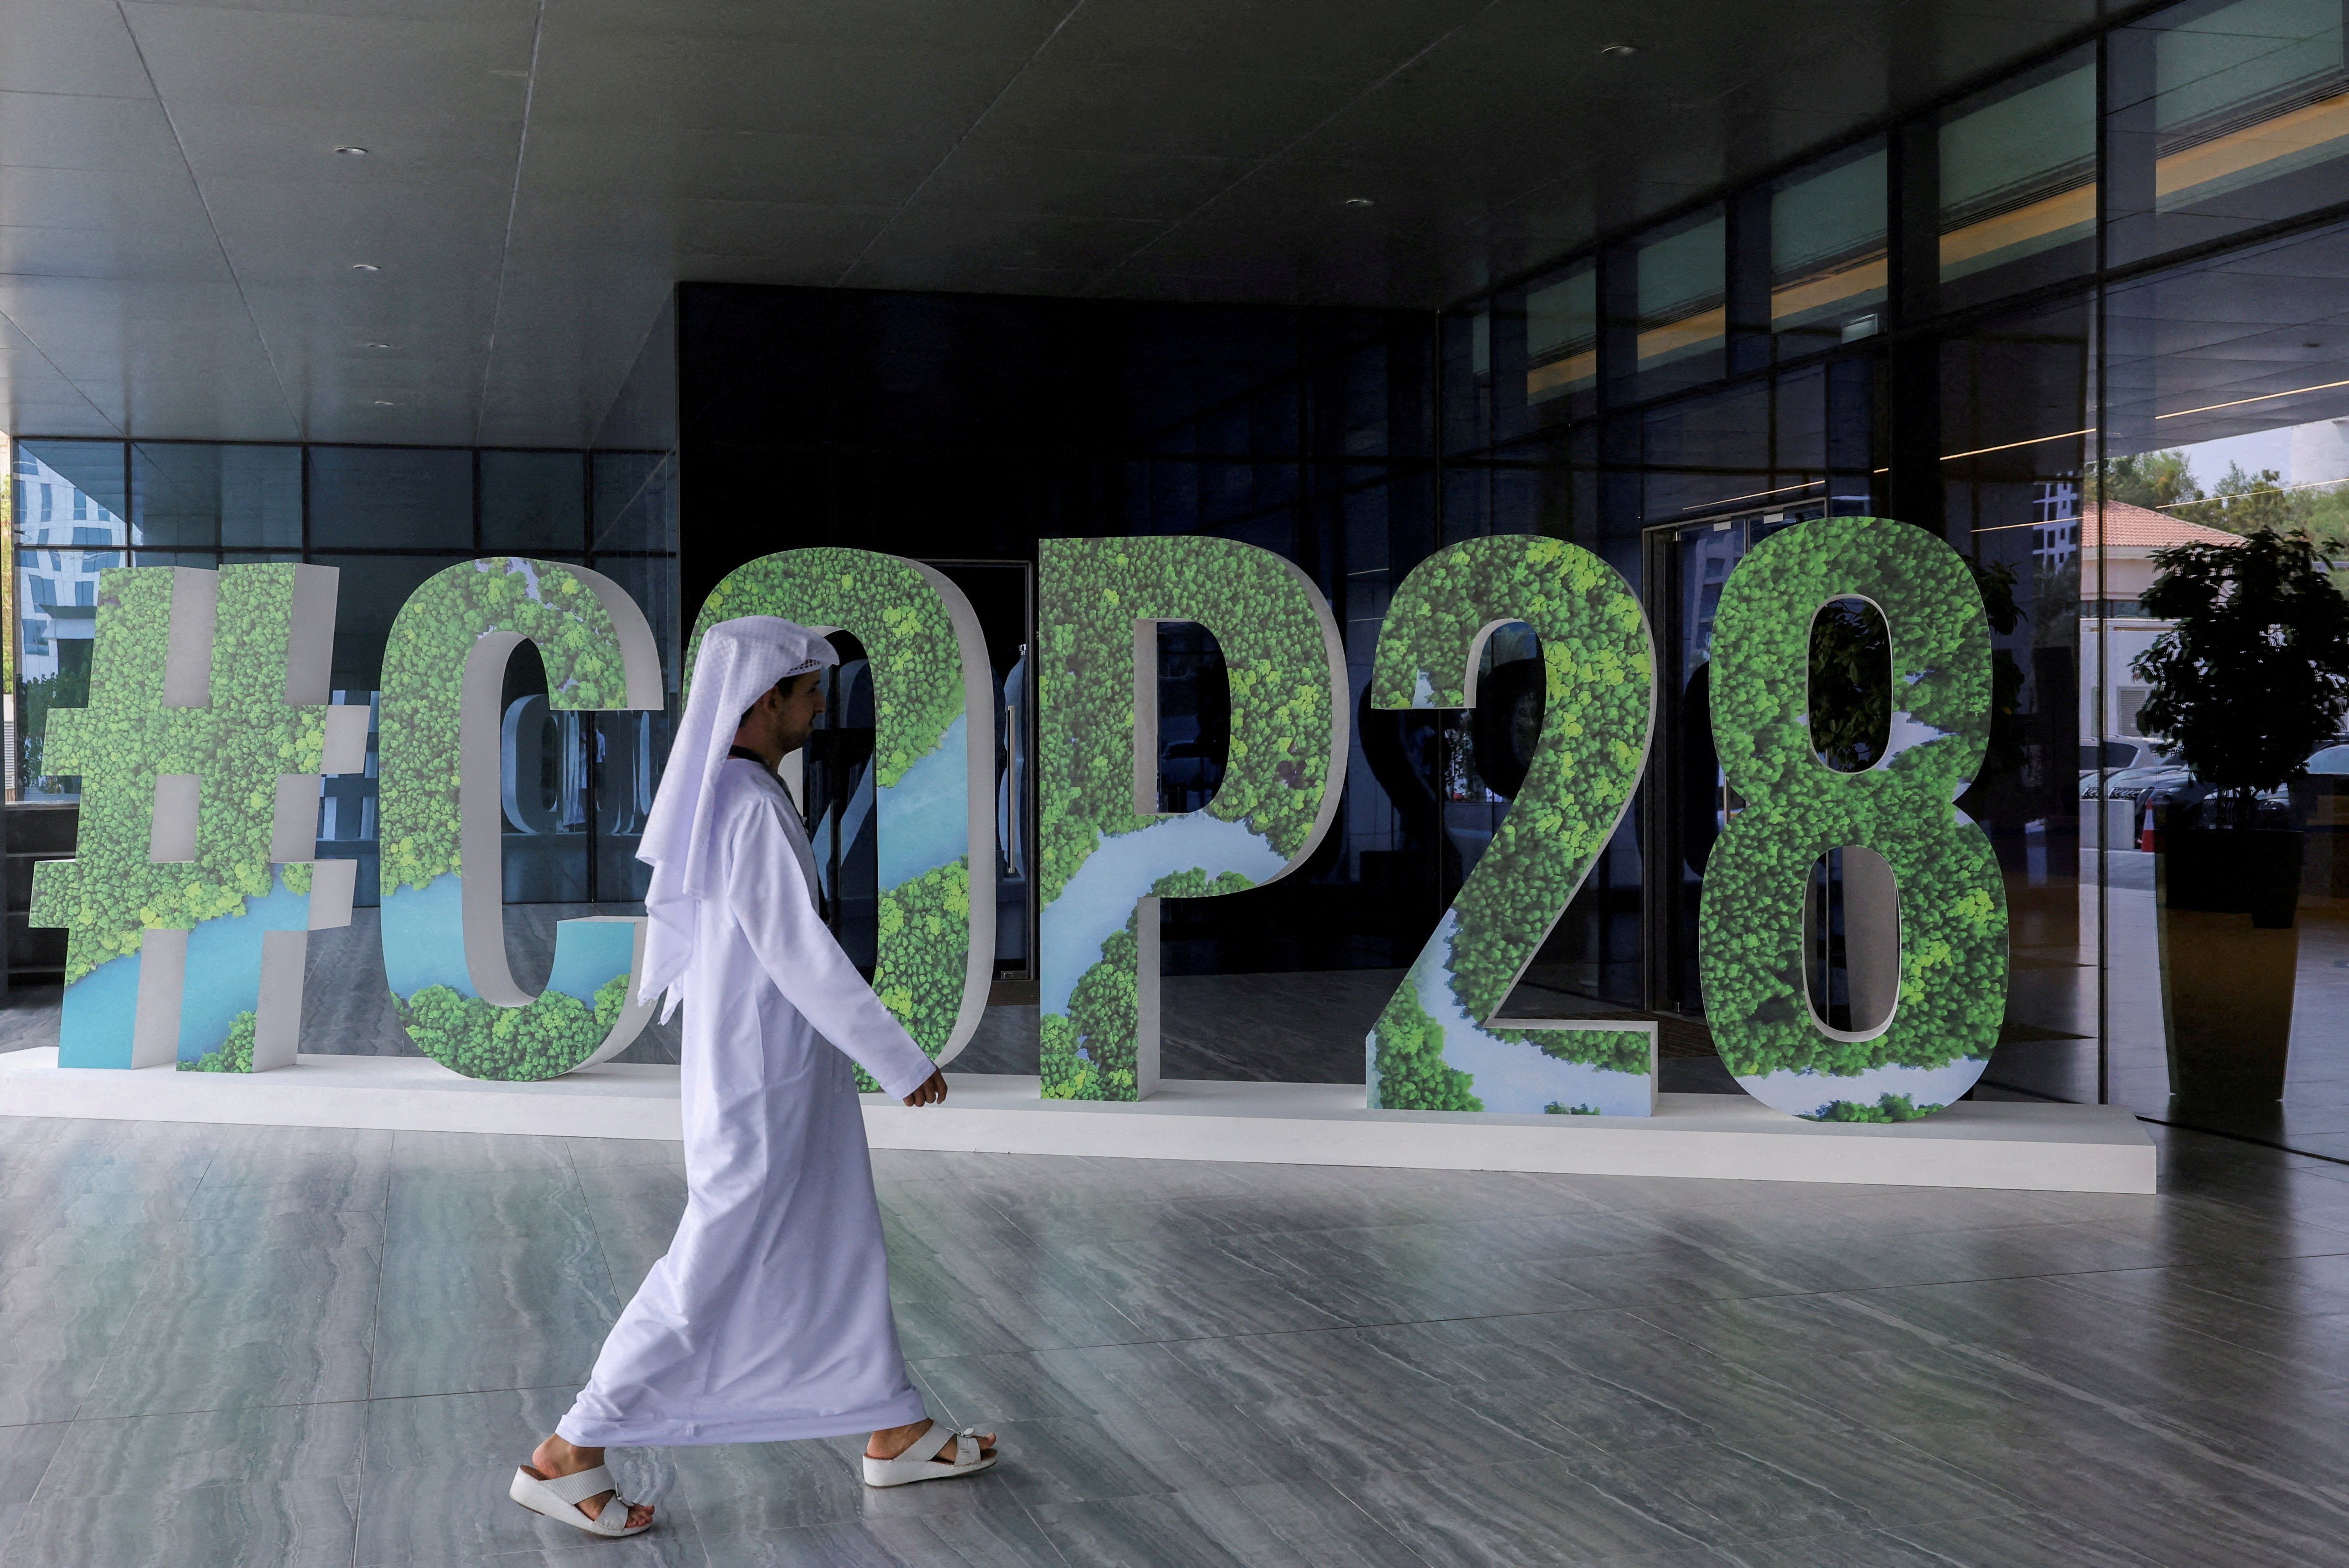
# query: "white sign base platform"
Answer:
x=1975 y=1143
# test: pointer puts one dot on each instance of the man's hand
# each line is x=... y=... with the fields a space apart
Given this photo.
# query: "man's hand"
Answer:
x=932 y=1090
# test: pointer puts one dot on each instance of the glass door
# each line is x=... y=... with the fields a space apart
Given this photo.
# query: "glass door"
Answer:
x=1687 y=802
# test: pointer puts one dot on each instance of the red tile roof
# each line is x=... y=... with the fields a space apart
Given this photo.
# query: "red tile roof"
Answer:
x=2126 y=527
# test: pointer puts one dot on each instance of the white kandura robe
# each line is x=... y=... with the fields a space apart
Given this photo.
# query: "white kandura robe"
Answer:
x=768 y=1320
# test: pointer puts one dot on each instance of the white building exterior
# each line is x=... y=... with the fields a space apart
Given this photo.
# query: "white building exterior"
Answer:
x=64 y=540
x=2115 y=544
x=2320 y=453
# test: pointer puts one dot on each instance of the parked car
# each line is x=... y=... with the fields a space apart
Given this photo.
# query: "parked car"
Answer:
x=2178 y=803
x=2115 y=776
x=2133 y=769
x=2180 y=799
x=2140 y=773
x=2101 y=757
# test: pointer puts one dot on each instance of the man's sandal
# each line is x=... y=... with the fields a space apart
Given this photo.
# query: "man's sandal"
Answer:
x=559 y=1499
x=920 y=1461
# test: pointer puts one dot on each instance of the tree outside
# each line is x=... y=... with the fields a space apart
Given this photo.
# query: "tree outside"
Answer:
x=2254 y=673
x=2239 y=501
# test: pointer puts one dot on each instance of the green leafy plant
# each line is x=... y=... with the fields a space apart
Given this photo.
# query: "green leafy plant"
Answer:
x=1407 y=1057
x=2154 y=480
x=2242 y=501
x=65 y=688
x=1599 y=700
x=1851 y=686
x=886 y=603
x=1851 y=691
x=2246 y=503
x=432 y=639
x=1952 y=898
x=2254 y=673
x=908 y=632
x=1090 y=1053
x=1888 y=1107
x=544 y=1040
x=423 y=684
x=110 y=892
x=232 y=1055
x=1093 y=592
x=920 y=966
x=1272 y=630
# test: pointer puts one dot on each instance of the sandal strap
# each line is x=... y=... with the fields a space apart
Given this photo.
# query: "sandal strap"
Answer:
x=968 y=1448
x=926 y=1447
x=613 y=1518
x=579 y=1488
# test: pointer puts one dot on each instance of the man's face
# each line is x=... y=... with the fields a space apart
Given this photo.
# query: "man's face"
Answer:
x=798 y=700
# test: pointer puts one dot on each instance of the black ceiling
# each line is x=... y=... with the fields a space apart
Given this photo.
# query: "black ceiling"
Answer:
x=179 y=237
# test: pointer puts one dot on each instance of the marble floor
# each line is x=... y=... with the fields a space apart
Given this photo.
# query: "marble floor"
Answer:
x=290 y=1349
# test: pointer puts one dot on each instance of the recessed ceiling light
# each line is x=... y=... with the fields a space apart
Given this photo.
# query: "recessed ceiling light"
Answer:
x=2262 y=398
x=1618 y=51
x=351 y=152
x=373 y=345
x=364 y=267
x=1357 y=202
x=383 y=403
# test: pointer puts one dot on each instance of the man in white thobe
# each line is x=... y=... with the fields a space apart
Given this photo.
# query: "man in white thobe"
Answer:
x=768 y=1319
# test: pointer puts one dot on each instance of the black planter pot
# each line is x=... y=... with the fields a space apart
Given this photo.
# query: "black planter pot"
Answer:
x=2229 y=948
x=2234 y=871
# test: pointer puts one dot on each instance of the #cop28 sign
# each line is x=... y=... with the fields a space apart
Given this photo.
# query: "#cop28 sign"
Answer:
x=195 y=883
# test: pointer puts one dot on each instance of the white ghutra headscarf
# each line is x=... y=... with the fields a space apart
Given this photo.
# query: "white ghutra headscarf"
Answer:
x=739 y=661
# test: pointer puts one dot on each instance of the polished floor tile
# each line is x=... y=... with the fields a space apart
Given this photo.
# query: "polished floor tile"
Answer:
x=752 y=1487
x=1305 y=1524
x=1536 y=1510
x=317 y=1348
x=445 y=1513
x=26 y=1453
x=2265 y=1529
x=2053 y=1539
x=991 y=1539
x=499 y=1427
x=308 y=1523
x=129 y=1456
x=211 y=1331
x=38 y=1392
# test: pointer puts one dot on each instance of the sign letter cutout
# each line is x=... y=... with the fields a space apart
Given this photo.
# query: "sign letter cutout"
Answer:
x=933 y=761
x=443 y=904
x=1438 y=1046
x=1108 y=855
x=194 y=885
x=1951 y=921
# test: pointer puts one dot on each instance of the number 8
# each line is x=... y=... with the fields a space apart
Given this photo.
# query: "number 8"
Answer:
x=1951 y=926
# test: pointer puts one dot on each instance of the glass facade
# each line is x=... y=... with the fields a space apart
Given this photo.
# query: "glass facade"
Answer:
x=1829 y=268
x=2073 y=318
x=2219 y=117
x=1561 y=337
x=387 y=517
x=2017 y=171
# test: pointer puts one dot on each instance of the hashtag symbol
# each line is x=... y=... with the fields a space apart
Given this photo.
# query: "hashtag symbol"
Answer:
x=195 y=881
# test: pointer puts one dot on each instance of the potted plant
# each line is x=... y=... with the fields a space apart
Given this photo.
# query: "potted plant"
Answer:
x=2252 y=677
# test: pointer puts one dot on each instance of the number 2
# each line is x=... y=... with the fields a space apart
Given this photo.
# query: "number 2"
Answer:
x=1438 y=1045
